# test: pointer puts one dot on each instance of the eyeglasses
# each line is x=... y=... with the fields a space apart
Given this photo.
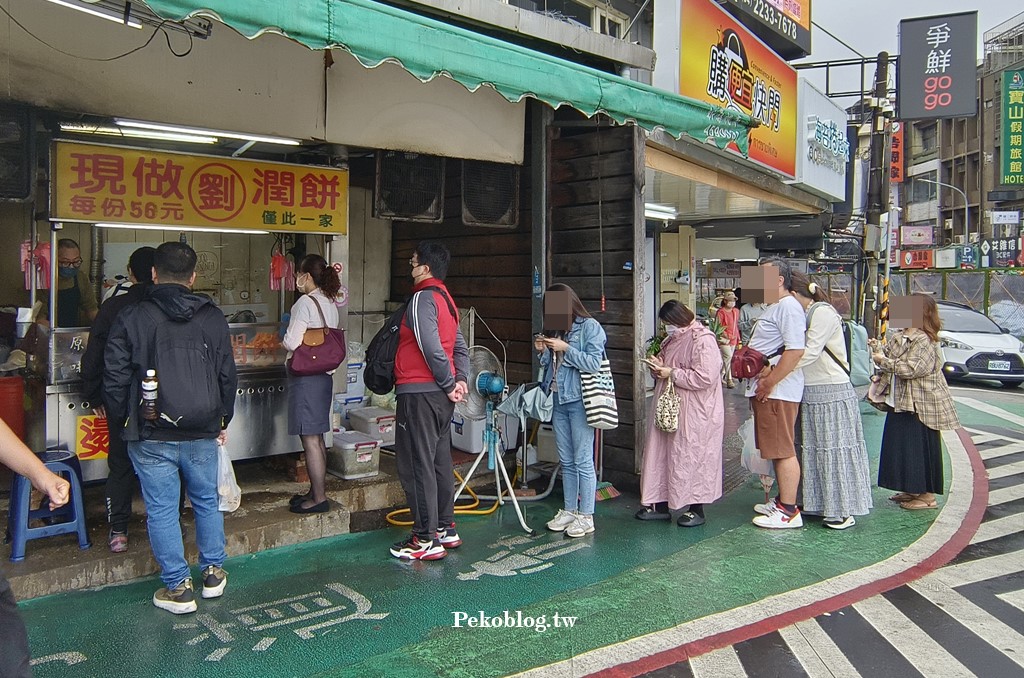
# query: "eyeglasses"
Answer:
x=77 y=263
x=414 y=263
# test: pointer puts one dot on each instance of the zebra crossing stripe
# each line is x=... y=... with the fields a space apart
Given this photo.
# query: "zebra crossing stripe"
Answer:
x=989 y=408
x=1006 y=494
x=1000 y=527
x=920 y=649
x=1006 y=470
x=1002 y=451
x=981 y=569
x=722 y=663
x=815 y=651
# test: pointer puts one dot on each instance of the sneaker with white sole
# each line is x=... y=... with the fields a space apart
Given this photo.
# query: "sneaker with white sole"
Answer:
x=415 y=548
x=780 y=519
x=839 y=523
x=448 y=537
x=583 y=525
x=214 y=581
x=179 y=600
x=562 y=520
x=766 y=508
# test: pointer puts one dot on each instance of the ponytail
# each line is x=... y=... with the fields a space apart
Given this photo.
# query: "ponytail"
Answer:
x=323 y=274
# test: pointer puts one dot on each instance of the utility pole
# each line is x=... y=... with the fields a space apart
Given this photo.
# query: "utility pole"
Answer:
x=878 y=190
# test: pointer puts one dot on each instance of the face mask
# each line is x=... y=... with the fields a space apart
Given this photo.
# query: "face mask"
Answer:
x=671 y=329
x=67 y=271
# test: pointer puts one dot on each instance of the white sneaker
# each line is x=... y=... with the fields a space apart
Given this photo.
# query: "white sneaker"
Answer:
x=780 y=520
x=766 y=508
x=839 y=523
x=583 y=525
x=561 y=521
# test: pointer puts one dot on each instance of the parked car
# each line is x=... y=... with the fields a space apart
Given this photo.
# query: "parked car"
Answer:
x=975 y=348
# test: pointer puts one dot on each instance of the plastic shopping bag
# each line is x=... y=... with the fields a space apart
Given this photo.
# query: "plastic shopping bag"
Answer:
x=228 y=491
x=751 y=460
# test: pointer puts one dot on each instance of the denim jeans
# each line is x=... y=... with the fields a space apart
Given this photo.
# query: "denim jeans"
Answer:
x=575 y=442
x=157 y=463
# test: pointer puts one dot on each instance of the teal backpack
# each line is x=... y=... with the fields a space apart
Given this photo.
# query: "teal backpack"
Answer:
x=855 y=336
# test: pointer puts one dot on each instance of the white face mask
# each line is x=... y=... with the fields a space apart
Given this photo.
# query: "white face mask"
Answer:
x=671 y=329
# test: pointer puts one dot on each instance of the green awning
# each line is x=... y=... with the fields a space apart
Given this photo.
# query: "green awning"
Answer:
x=375 y=33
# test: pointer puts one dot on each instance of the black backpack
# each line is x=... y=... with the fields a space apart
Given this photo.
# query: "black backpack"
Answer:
x=188 y=390
x=379 y=375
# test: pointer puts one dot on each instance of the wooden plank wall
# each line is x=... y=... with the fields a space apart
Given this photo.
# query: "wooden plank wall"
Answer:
x=491 y=270
x=593 y=208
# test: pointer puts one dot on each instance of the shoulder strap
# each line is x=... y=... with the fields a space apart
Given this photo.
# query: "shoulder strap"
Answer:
x=447 y=301
x=810 y=313
x=323 y=320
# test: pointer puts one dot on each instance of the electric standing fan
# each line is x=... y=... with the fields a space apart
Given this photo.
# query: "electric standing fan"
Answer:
x=487 y=390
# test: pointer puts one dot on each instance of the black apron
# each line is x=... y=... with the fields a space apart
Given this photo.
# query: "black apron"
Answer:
x=68 y=302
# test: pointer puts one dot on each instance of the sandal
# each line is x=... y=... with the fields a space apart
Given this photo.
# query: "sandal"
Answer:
x=901 y=497
x=919 y=504
x=690 y=519
x=649 y=513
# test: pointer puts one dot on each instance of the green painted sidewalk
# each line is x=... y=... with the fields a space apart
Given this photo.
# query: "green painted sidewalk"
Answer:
x=344 y=607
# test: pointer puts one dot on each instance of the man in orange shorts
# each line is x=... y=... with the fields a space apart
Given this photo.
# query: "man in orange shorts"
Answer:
x=776 y=394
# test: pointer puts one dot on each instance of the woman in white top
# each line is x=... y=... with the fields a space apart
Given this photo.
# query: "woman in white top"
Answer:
x=309 y=398
x=836 y=477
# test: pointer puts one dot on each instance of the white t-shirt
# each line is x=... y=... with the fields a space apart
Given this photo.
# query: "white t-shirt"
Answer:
x=783 y=324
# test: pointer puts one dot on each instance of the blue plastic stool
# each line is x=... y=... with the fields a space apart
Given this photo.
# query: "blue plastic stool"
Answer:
x=63 y=463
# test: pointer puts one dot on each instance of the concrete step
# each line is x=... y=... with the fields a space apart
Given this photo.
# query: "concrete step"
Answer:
x=263 y=521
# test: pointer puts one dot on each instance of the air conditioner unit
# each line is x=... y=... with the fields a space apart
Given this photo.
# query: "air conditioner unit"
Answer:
x=15 y=153
x=490 y=194
x=958 y=240
x=409 y=187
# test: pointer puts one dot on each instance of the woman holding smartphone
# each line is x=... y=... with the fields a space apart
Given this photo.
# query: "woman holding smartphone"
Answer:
x=683 y=469
x=578 y=346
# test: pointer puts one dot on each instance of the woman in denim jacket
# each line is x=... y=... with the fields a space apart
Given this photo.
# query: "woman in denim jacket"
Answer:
x=563 y=357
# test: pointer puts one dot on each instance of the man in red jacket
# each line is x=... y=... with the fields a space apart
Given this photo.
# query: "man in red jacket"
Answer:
x=431 y=368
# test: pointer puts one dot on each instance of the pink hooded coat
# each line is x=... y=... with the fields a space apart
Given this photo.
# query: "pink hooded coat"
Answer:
x=685 y=467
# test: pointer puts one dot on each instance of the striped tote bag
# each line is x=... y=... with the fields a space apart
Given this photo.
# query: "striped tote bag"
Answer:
x=599 y=397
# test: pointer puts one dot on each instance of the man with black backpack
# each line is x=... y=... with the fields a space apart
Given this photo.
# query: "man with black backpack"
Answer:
x=431 y=367
x=183 y=338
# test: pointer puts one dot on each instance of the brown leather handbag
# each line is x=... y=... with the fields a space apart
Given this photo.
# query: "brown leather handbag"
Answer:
x=323 y=349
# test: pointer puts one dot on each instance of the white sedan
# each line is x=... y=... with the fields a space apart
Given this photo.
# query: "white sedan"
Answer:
x=974 y=347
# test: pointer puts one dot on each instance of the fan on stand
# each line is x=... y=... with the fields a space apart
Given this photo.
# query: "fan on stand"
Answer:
x=487 y=390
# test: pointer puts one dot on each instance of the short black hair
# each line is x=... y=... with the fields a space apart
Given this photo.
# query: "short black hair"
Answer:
x=785 y=270
x=141 y=264
x=175 y=262
x=68 y=244
x=436 y=256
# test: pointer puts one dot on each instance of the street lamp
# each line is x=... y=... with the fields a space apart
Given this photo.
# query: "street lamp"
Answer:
x=967 y=218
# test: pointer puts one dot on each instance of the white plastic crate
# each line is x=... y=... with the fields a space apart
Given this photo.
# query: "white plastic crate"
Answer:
x=354 y=455
x=374 y=421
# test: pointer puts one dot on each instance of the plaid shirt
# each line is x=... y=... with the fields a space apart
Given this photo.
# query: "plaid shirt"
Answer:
x=920 y=386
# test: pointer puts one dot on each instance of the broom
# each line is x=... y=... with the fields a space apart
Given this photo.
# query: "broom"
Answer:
x=605 y=490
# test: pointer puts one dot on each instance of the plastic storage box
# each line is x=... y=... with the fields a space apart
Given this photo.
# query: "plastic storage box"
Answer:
x=354 y=455
x=468 y=434
x=354 y=379
x=374 y=421
x=342 y=405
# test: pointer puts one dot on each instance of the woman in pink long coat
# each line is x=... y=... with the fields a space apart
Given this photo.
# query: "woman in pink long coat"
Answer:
x=683 y=470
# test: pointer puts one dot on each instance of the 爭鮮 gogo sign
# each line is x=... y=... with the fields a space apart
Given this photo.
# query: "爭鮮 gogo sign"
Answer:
x=938 y=71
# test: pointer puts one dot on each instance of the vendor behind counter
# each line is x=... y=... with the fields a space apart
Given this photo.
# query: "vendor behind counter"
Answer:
x=76 y=298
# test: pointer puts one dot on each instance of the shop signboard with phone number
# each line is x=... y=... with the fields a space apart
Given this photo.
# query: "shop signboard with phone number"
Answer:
x=937 y=68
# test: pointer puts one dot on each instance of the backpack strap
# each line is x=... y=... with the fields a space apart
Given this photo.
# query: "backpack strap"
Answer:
x=810 y=313
x=435 y=288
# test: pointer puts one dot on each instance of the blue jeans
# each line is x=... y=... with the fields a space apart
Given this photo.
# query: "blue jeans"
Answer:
x=157 y=463
x=575 y=442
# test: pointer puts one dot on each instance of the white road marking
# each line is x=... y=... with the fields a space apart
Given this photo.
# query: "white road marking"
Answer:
x=1001 y=527
x=722 y=663
x=994 y=632
x=263 y=645
x=218 y=654
x=974 y=571
x=1001 y=451
x=926 y=655
x=1007 y=494
x=1006 y=470
x=824 y=647
x=69 y=658
x=989 y=408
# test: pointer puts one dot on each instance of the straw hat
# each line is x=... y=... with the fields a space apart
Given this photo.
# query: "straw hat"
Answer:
x=729 y=296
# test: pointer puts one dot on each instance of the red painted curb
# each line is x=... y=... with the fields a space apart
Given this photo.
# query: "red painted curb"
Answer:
x=960 y=539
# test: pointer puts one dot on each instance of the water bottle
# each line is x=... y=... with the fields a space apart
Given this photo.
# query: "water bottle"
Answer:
x=149 y=388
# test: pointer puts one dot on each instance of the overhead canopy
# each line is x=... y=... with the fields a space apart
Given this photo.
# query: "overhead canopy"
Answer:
x=375 y=33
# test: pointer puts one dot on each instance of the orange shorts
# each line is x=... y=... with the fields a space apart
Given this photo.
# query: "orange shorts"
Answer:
x=774 y=428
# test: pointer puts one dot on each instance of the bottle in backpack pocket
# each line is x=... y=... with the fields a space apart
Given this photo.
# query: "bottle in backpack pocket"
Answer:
x=149 y=391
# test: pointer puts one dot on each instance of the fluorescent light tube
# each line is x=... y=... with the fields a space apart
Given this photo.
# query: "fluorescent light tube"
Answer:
x=138 y=124
x=80 y=128
x=95 y=11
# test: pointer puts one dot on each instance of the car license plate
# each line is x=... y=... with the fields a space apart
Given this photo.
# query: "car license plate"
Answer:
x=999 y=365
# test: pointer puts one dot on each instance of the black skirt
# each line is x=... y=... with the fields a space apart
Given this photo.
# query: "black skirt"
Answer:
x=309 y=404
x=911 y=456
